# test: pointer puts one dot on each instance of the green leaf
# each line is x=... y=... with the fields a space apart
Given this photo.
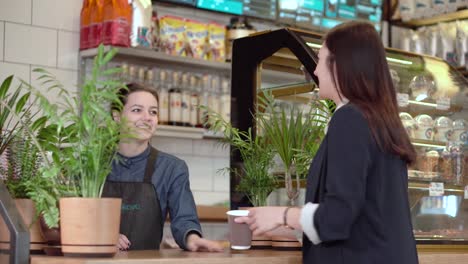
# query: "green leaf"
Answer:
x=21 y=102
x=40 y=122
x=5 y=86
x=108 y=56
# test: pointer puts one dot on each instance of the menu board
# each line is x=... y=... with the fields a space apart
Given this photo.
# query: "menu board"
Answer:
x=347 y=9
x=323 y=14
x=184 y=2
x=260 y=8
x=287 y=11
x=370 y=10
x=265 y=9
x=309 y=12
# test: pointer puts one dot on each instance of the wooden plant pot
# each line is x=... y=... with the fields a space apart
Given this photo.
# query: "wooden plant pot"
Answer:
x=89 y=227
x=52 y=238
x=27 y=211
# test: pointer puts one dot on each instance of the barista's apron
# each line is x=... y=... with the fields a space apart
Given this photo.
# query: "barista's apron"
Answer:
x=141 y=218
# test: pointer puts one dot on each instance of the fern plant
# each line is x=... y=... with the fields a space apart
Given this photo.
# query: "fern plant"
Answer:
x=23 y=161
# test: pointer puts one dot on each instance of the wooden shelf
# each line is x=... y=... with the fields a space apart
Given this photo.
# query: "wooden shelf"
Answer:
x=460 y=14
x=423 y=185
x=428 y=143
x=149 y=56
x=429 y=108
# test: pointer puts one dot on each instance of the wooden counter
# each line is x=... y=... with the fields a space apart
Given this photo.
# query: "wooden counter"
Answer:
x=179 y=256
x=228 y=256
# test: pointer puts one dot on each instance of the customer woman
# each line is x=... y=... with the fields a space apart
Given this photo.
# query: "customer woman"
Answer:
x=356 y=202
x=151 y=183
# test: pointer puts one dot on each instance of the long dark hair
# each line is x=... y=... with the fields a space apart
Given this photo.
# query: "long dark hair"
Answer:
x=359 y=68
x=130 y=88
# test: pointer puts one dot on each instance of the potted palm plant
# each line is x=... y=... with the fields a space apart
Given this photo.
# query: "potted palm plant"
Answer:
x=81 y=167
x=255 y=181
x=294 y=134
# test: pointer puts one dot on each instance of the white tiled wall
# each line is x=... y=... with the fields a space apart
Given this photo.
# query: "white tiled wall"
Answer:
x=30 y=45
x=2 y=31
x=68 y=78
x=57 y=14
x=45 y=33
x=18 y=70
x=18 y=11
x=68 y=47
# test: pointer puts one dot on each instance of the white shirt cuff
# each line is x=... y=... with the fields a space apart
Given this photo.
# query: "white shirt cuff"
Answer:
x=307 y=222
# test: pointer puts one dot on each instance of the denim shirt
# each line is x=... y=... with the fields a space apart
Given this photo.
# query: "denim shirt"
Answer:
x=171 y=182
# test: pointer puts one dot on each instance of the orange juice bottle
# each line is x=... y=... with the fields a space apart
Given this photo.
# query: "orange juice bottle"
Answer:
x=116 y=27
x=95 y=30
x=84 y=25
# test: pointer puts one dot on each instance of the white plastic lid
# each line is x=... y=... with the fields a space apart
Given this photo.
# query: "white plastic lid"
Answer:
x=443 y=122
x=460 y=124
x=424 y=120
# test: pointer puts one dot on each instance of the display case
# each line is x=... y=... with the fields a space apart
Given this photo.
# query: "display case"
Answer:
x=433 y=102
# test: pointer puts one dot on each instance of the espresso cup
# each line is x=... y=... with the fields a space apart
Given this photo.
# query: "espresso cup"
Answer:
x=240 y=236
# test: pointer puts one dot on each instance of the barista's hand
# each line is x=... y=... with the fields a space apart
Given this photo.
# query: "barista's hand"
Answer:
x=263 y=219
x=196 y=243
x=123 y=243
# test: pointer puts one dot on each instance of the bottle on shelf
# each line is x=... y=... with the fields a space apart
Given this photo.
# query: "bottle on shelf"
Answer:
x=213 y=96
x=203 y=100
x=85 y=24
x=194 y=100
x=175 y=101
x=141 y=75
x=185 y=100
x=116 y=23
x=95 y=29
x=163 y=98
x=225 y=100
x=458 y=163
x=124 y=75
x=149 y=79
x=156 y=75
x=132 y=74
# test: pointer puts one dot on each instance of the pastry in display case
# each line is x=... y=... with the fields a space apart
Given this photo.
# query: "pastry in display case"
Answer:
x=433 y=101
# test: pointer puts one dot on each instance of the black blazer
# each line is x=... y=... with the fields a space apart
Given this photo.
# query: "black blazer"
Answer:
x=363 y=214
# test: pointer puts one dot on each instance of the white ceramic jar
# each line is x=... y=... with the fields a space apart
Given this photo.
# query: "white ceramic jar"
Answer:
x=424 y=127
x=443 y=129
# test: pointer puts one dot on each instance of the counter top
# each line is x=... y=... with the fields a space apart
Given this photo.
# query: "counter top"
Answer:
x=179 y=256
x=228 y=256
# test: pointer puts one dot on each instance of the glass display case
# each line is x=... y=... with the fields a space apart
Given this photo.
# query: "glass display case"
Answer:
x=433 y=102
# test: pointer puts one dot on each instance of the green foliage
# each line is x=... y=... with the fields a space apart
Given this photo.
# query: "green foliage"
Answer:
x=295 y=135
x=13 y=111
x=257 y=154
x=23 y=162
x=81 y=137
x=25 y=151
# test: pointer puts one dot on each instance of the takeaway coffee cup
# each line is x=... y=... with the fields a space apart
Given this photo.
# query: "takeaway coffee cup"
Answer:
x=240 y=235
